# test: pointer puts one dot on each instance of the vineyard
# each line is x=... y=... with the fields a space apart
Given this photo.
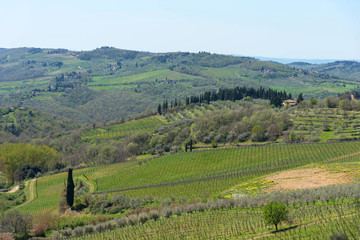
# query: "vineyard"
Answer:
x=121 y=130
x=307 y=221
x=195 y=175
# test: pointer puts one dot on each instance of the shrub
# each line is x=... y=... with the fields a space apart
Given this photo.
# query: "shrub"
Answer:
x=88 y=229
x=78 y=231
x=133 y=219
x=166 y=212
x=121 y=222
x=154 y=214
x=67 y=232
x=100 y=227
x=143 y=217
x=338 y=236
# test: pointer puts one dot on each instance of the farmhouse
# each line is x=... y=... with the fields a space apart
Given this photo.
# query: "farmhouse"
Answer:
x=289 y=102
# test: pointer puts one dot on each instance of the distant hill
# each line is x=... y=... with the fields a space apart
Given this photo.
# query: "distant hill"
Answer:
x=108 y=83
x=343 y=69
x=290 y=60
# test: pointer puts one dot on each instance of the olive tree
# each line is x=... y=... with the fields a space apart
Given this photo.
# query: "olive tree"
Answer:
x=275 y=212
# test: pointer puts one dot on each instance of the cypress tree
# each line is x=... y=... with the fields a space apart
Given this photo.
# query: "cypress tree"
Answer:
x=300 y=98
x=159 y=109
x=70 y=189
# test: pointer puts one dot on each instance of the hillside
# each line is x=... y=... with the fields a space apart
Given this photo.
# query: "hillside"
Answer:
x=108 y=83
x=190 y=191
x=216 y=163
x=342 y=69
x=29 y=125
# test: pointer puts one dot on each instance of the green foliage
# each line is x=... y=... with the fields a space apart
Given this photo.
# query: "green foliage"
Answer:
x=70 y=186
x=10 y=200
x=300 y=98
x=275 y=213
x=257 y=133
x=15 y=157
x=26 y=125
x=313 y=101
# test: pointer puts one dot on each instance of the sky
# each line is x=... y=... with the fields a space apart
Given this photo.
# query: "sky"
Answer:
x=306 y=29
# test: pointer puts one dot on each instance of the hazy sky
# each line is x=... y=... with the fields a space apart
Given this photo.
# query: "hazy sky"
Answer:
x=323 y=29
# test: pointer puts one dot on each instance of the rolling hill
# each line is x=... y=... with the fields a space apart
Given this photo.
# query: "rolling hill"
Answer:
x=343 y=69
x=107 y=83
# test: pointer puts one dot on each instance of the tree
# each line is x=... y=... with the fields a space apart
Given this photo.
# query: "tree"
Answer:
x=70 y=189
x=313 y=101
x=16 y=159
x=275 y=212
x=119 y=63
x=159 y=109
x=17 y=223
x=257 y=133
x=331 y=102
x=300 y=98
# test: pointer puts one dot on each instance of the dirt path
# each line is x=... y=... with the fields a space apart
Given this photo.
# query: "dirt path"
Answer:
x=32 y=194
x=92 y=187
x=305 y=225
x=14 y=189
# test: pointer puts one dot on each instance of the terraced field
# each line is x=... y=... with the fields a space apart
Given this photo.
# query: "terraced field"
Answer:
x=121 y=130
x=330 y=124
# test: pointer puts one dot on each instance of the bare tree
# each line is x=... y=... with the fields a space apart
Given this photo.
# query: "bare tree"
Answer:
x=17 y=223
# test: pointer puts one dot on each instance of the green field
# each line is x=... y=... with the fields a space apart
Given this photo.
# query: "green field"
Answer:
x=196 y=175
x=242 y=224
x=120 y=130
x=113 y=83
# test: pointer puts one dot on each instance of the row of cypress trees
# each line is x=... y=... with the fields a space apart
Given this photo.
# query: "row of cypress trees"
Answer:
x=231 y=94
